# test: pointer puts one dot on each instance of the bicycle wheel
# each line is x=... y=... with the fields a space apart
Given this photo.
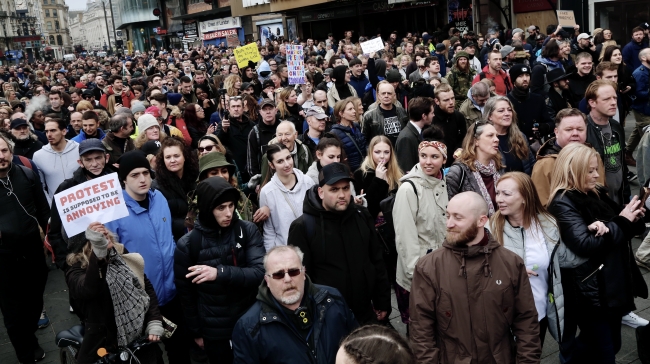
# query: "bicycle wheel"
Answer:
x=67 y=355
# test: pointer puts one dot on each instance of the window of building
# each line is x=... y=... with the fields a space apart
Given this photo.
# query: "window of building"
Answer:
x=47 y=13
x=52 y=41
x=56 y=25
x=49 y=25
x=54 y=13
x=59 y=39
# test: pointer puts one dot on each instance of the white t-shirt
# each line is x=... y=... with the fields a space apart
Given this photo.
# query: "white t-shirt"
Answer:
x=537 y=260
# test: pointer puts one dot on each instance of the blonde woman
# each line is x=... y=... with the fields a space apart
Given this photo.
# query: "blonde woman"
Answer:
x=515 y=153
x=288 y=107
x=84 y=105
x=403 y=62
x=478 y=166
x=524 y=226
x=593 y=226
x=232 y=84
x=148 y=129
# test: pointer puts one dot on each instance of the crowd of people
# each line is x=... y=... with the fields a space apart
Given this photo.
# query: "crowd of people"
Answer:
x=482 y=179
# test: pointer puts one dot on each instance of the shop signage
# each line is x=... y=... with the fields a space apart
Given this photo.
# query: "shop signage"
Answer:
x=191 y=30
x=220 y=24
x=219 y=34
x=248 y=3
x=525 y=6
x=460 y=13
x=326 y=15
x=382 y=6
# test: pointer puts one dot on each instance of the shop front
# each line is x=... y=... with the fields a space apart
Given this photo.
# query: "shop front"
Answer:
x=228 y=31
x=620 y=17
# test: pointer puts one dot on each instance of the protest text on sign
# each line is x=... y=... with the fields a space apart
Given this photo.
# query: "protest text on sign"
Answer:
x=100 y=199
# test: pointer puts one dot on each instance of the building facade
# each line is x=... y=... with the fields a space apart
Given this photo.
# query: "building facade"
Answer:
x=93 y=28
x=57 y=31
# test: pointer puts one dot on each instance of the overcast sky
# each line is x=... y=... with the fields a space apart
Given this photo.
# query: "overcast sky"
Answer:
x=76 y=4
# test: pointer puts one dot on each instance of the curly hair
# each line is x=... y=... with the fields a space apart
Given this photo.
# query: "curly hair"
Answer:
x=165 y=177
x=229 y=85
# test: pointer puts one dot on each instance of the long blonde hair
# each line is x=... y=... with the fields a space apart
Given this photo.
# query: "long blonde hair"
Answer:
x=571 y=169
x=532 y=205
x=393 y=172
x=229 y=85
x=468 y=155
x=142 y=138
x=516 y=139
x=283 y=95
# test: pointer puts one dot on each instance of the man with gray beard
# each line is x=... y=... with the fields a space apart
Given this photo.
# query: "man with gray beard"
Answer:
x=26 y=142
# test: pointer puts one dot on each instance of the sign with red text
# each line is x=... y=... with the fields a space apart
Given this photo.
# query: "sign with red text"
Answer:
x=219 y=34
x=100 y=199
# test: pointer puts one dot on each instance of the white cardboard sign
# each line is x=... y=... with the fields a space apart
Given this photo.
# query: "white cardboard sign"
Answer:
x=372 y=45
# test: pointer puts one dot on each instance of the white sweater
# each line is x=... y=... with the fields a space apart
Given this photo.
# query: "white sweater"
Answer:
x=285 y=206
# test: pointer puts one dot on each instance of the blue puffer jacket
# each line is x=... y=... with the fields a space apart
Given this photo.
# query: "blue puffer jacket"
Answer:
x=354 y=143
x=264 y=334
x=642 y=102
x=149 y=233
x=82 y=135
x=359 y=84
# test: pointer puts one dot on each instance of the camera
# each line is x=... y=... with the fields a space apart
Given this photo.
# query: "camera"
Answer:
x=222 y=91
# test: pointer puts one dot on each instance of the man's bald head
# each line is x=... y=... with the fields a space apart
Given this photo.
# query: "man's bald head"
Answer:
x=470 y=202
x=18 y=115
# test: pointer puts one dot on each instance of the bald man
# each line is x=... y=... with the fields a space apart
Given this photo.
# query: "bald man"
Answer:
x=471 y=298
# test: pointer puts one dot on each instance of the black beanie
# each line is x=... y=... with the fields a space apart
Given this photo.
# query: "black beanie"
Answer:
x=130 y=161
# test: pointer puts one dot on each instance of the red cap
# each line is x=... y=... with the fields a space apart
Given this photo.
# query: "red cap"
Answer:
x=80 y=85
x=153 y=110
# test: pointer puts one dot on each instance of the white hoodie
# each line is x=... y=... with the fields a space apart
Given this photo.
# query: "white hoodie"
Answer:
x=285 y=206
x=56 y=167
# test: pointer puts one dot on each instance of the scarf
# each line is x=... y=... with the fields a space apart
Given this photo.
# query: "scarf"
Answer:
x=130 y=301
x=489 y=170
x=520 y=95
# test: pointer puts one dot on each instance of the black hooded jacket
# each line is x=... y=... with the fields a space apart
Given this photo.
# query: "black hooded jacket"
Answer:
x=28 y=147
x=342 y=250
x=211 y=309
x=175 y=191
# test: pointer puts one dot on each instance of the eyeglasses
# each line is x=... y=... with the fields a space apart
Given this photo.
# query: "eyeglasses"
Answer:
x=170 y=84
x=235 y=98
x=478 y=124
x=206 y=149
x=280 y=274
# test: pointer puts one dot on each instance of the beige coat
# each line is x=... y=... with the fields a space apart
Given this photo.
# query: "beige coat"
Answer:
x=420 y=221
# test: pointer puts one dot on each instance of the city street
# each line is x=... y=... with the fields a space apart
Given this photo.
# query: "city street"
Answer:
x=56 y=303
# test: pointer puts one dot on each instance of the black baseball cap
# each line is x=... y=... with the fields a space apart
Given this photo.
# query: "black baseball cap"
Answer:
x=332 y=173
x=91 y=145
x=17 y=122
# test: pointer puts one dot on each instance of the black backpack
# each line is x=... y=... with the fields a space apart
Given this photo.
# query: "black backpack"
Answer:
x=386 y=230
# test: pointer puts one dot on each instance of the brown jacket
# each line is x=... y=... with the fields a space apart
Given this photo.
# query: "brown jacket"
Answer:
x=467 y=305
x=543 y=169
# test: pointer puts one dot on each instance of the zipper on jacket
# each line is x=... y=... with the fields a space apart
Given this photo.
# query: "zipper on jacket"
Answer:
x=592 y=273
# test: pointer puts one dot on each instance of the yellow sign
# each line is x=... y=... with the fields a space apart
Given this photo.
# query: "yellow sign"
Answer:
x=566 y=18
x=247 y=53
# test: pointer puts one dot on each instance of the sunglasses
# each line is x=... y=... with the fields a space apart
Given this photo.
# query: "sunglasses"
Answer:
x=170 y=84
x=280 y=274
x=208 y=148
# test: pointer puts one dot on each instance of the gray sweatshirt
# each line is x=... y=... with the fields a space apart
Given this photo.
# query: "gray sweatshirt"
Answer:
x=56 y=167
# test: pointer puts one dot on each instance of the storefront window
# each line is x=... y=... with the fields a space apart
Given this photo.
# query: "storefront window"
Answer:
x=621 y=17
x=132 y=11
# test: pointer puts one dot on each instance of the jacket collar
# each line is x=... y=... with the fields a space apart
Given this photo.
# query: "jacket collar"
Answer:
x=270 y=312
x=134 y=206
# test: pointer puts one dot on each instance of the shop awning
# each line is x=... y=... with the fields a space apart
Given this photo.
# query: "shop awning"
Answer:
x=222 y=12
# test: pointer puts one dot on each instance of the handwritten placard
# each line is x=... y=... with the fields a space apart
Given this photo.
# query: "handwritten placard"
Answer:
x=295 y=64
x=372 y=45
x=566 y=18
x=247 y=53
x=100 y=199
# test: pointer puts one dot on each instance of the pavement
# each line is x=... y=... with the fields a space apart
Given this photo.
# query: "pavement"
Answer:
x=57 y=307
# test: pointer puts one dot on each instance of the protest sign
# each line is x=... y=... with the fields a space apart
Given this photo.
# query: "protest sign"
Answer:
x=372 y=45
x=247 y=53
x=566 y=18
x=100 y=199
x=295 y=64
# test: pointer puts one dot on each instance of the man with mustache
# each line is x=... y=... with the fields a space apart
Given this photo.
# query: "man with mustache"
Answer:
x=293 y=320
x=471 y=297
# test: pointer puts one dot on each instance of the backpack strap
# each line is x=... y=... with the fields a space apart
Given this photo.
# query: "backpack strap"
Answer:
x=414 y=190
x=26 y=162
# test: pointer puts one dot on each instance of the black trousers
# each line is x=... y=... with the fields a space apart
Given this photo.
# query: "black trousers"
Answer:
x=178 y=346
x=218 y=351
x=22 y=283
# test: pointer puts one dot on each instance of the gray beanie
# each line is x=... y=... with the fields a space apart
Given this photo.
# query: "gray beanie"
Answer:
x=137 y=106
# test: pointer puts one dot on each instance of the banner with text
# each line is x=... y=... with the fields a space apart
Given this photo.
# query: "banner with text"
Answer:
x=219 y=34
x=460 y=13
x=100 y=199
x=295 y=64
x=247 y=53
x=372 y=45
